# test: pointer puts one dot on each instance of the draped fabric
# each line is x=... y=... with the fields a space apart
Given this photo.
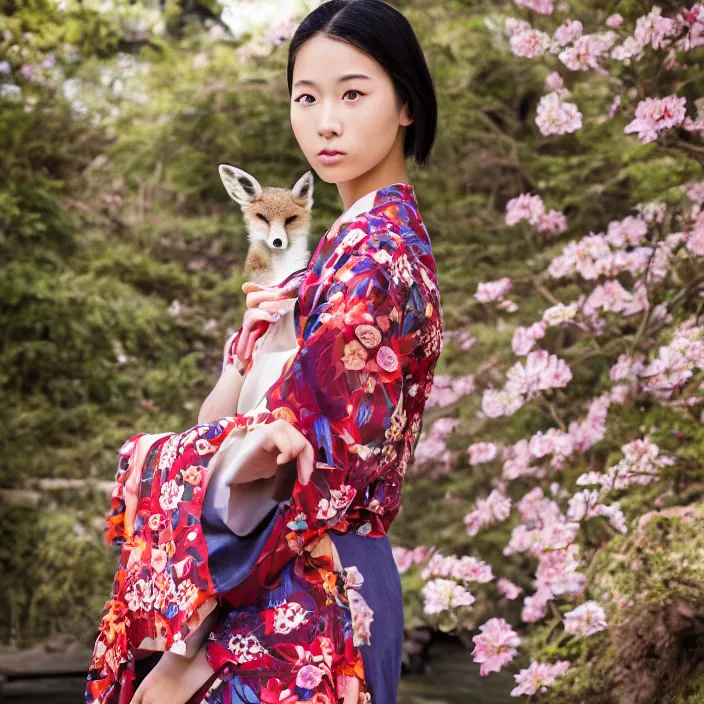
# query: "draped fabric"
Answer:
x=289 y=628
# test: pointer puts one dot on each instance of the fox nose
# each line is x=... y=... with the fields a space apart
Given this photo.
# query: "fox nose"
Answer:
x=277 y=242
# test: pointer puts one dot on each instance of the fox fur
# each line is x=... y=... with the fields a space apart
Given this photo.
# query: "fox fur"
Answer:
x=278 y=221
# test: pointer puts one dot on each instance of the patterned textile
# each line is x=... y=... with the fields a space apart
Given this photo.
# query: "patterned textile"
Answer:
x=370 y=333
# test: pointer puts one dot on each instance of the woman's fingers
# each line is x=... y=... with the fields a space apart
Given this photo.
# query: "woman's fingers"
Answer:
x=254 y=320
x=255 y=298
x=306 y=463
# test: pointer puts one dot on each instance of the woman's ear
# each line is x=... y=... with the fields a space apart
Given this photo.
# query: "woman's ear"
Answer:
x=405 y=118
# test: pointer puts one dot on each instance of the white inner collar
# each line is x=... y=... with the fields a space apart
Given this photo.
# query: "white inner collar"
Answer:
x=361 y=205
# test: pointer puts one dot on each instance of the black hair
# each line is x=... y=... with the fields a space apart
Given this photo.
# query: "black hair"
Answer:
x=384 y=34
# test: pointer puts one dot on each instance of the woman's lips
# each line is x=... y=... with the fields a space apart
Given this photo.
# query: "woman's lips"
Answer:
x=328 y=159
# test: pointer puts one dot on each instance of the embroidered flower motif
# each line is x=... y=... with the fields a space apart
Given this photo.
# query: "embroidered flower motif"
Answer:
x=355 y=356
x=353 y=577
x=352 y=237
x=171 y=494
x=191 y=475
x=246 y=648
x=368 y=335
x=203 y=447
x=309 y=677
x=298 y=523
x=386 y=358
x=325 y=510
x=186 y=594
x=168 y=452
x=164 y=591
x=158 y=560
x=289 y=616
x=140 y=596
x=341 y=498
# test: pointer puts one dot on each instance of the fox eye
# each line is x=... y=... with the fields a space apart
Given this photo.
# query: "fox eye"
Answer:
x=263 y=217
x=290 y=219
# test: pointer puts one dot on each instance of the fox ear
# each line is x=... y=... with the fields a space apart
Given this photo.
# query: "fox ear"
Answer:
x=240 y=186
x=303 y=189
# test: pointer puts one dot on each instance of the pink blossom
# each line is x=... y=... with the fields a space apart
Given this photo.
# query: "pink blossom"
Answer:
x=529 y=43
x=614 y=21
x=656 y=114
x=560 y=313
x=554 y=82
x=615 y=106
x=488 y=291
x=693 y=21
x=584 y=54
x=695 y=238
x=443 y=427
x=568 y=32
x=535 y=606
x=558 y=570
x=653 y=29
x=432 y=450
x=554 y=222
x=443 y=595
x=500 y=402
x=525 y=207
x=469 y=569
x=480 y=452
x=542 y=371
x=524 y=339
x=631 y=230
x=543 y=7
x=508 y=589
x=496 y=646
x=538 y=677
x=403 y=557
x=496 y=507
x=630 y=49
x=586 y=619
x=555 y=117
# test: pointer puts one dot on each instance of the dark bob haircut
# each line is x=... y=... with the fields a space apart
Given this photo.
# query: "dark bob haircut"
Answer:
x=384 y=34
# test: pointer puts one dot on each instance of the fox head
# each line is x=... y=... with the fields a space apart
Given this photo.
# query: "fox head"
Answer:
x=275 y=216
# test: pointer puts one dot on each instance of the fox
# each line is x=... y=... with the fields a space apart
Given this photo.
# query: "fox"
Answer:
x=278 y=222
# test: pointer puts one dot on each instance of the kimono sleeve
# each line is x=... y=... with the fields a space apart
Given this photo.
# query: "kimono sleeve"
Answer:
x=344 y=389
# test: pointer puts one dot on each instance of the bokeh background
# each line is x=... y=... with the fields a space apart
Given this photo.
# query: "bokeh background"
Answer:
x=121 y=264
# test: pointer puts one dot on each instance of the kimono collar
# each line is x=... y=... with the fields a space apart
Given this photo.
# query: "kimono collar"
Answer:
x=395 y=192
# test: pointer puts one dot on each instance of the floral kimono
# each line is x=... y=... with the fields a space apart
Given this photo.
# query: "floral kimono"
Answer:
x=294 y=618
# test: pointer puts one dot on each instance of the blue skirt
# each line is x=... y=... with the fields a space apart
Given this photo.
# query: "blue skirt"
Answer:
x=231 y=557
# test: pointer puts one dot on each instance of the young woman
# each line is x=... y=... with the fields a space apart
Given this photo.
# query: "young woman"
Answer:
x=308 y=606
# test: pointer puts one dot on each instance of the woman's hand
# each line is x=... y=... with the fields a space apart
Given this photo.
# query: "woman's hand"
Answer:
x=260 y=293
x=291 y=444
x=265 y=305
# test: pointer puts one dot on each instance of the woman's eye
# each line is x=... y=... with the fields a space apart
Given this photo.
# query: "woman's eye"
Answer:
x=299 y=99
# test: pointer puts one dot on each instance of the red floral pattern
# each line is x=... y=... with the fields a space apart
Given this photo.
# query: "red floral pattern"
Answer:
x=370 y=333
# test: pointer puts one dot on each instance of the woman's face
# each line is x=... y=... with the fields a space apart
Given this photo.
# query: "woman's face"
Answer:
x=358 y=116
